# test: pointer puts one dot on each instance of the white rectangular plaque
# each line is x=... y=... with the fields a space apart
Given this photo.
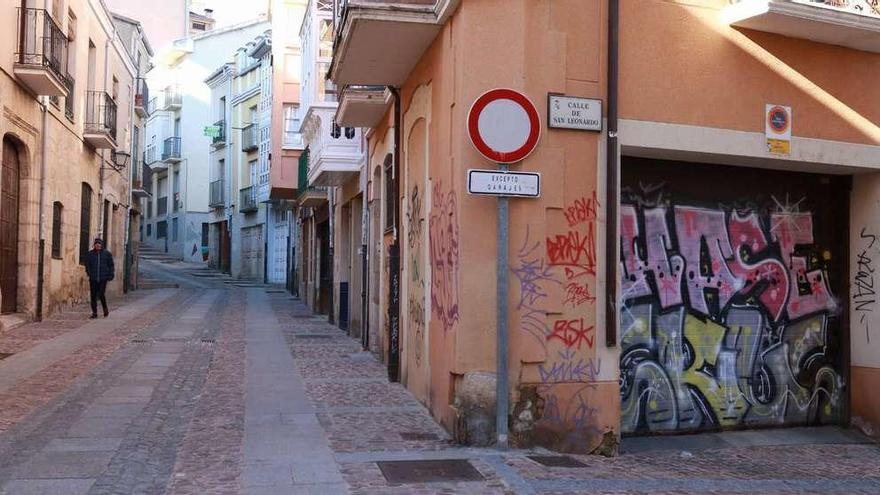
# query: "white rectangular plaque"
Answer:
x=498 y=183
x=569 y=112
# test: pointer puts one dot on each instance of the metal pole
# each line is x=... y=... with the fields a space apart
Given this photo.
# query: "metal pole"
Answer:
x=501 y=386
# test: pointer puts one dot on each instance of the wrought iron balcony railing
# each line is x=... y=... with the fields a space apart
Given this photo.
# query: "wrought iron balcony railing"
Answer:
x=248 y=201
x=250 y=138
x=100 y=114
x=142 y=96
x=172 y=98
x=70 y=99
x=41 y=43
x=221 y=136
x=171 y=149
x=216 y=194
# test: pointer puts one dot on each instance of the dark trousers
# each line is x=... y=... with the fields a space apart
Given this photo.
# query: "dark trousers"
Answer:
x=96 y=291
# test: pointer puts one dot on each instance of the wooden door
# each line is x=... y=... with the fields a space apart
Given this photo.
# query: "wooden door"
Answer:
x=9 y=197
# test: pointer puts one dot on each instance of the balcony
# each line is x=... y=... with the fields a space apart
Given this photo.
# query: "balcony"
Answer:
x=100 y=122
x=41 y=53
x=308 y=196
x=852 y=23
x=378 y=42
x=363 y=106
x=332 y=161
x=172 y=99
x=140 y=174
x=248 y=202
x=250 y=139
x=216 y=194
x=283 y=175
x=141 y=98
x=171 y=150
x=220 y=138
x=162 y=206
x=152 y=105
x=153 y=158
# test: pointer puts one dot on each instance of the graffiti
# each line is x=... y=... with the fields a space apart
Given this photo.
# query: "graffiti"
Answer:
x=443 y=227
x=570 y=415
x=864 y=293
x=416 y=289
x=577 y=294
x=575 y=251
x=725 y=320
x=573 y=333
x=582 y=211
x=570 y=368
x=532 y=273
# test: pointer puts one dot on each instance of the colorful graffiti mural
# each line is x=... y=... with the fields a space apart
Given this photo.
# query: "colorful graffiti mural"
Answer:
x=725 y=319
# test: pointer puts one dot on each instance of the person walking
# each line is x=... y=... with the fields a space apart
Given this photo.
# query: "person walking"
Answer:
x=100 y=269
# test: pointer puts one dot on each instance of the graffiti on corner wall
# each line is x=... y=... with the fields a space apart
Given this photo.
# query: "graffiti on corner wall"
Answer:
x=725 y=319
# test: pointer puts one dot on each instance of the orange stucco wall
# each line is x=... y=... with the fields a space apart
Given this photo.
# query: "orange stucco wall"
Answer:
x=680 y=64
x=448 y=310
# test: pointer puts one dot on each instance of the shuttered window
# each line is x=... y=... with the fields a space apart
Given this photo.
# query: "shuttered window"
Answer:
x=85 y=222
x=57 y=209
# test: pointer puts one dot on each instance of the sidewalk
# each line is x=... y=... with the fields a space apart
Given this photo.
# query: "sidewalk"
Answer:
x=369 y=421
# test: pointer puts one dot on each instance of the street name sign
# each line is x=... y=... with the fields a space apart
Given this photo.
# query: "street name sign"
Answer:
x=570 y=112
x=504 y=125
x=498 y=183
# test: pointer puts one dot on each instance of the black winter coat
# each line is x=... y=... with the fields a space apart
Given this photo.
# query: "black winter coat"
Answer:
x=99 y=265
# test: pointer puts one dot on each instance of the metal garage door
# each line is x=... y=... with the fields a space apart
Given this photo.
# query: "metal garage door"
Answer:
x=732 y=288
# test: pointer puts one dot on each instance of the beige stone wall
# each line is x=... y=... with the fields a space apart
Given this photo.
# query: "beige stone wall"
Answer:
x=69 y=161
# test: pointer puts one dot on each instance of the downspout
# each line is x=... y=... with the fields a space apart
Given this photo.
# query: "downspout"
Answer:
x=129 y=259
x=41 y=263
x=612 y=178
x=394 y=254
x=104 y=152
x=331 y=242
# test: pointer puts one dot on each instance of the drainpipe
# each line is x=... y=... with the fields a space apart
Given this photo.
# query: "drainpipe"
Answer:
x=332 y=234
x=104 y=152
x=129 y=259
x=41 y=262
x=612 y=178
x=394 y=254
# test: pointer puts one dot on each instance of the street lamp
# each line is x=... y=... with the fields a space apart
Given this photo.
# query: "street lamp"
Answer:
x=120 y=159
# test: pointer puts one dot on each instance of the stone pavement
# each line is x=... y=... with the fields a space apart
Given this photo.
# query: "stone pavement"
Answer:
x=219 y=387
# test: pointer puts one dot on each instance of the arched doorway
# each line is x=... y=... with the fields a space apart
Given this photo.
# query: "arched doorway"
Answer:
x=10 y=187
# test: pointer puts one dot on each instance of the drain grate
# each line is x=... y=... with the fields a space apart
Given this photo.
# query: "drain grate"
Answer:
x=209 y=341
x=563 y=461
x=140 y=341
x=402 y=472
x=418 y=435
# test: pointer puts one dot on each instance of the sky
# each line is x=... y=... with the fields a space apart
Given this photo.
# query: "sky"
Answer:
x=228 y=12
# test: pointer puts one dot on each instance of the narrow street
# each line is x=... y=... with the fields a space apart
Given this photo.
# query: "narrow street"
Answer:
x=226 y=387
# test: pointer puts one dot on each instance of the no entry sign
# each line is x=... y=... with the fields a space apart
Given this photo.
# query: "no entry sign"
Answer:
x=504 y=125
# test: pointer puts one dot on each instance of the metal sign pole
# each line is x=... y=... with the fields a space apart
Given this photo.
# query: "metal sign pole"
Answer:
x=501 y=386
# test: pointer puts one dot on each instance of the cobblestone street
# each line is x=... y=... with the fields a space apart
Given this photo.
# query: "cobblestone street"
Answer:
x=218 y=387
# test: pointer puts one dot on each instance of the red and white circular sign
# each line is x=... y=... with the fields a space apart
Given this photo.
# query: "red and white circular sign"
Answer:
x=504 y=125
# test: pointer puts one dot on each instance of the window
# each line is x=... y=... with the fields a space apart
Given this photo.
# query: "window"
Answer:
x=292 y=137
x=175 y=184
x=161 y=229
x=390 y=192
x=174 y=229
x=107 y=224
x=150 y=208
x=69 y=105
x=149 y=230
x=93 y=61
x=57 y=209
x=85 y=222
x=205 y=230
x=198 y=26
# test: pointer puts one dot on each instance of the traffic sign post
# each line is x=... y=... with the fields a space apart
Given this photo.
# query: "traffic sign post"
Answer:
x=504 y=127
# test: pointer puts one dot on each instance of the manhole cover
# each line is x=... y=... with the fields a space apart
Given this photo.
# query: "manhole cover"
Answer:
x=416 y=436
x=557 y=461
x=401 y=472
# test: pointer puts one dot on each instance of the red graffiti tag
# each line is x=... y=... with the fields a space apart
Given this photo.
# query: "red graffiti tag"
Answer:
x=573 y=333
x=582 y=211
x=574 y=249
x=577 y=294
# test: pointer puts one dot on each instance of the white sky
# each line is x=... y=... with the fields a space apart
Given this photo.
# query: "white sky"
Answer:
x=228 y=12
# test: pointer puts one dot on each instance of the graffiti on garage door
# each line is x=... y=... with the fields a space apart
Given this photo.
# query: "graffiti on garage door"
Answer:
x=725 y=318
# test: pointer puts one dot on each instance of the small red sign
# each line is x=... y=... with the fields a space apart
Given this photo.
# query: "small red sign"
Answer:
x=504 y=125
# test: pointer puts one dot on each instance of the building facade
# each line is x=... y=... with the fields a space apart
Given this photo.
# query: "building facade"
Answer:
x=724 y=283
x=178 y=145
x=68 y=85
